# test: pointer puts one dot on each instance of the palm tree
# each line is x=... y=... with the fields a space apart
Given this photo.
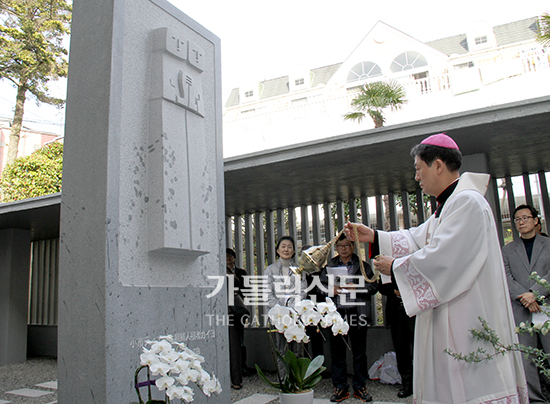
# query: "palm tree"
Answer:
x=544 y=29
x=373 y=98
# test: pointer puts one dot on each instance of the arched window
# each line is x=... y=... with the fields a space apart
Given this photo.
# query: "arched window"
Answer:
x=364 y=70
x=407 y=61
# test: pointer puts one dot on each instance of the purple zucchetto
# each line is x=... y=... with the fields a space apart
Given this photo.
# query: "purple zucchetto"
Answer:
x=441 y=140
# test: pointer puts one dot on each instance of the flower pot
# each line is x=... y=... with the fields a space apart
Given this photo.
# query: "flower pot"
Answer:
x=296 y=398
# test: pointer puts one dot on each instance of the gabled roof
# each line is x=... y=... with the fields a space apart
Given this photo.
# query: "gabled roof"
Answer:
x=233 y=99
x=505 y=34
x=274 y=87
x=517 y=31
x=453 y=44
x=279 y=86
x=323 y=74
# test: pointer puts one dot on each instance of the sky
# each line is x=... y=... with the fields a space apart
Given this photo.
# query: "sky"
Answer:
x=264 y=40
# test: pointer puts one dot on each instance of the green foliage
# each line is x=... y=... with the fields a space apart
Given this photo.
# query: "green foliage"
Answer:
x=32 y=53
x=488 y=335
x=544 y=30
x=413 y=206
x=334 y=213
x=301 y=373
x=34 y=175
x=373 y=98
x=31 y=43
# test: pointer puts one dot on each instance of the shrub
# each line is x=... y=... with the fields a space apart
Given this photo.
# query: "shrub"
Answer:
x=34 y=175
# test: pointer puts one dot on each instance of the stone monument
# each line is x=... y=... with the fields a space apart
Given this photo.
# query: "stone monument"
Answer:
x=142 y=210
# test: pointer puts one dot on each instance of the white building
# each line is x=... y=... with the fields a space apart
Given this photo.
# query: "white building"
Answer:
x=485 y=66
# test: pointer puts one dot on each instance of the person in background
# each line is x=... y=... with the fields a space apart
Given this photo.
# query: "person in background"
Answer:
x=402 y=335
x=284 y=292
x=531 y=253
x=538 y=229
x=237 y=350
x=356 y=309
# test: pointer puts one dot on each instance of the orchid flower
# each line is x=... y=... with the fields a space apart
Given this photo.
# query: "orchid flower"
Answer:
x=161 y=346
x=340 y=327
x=160 y=368
x=169 y=338
x=304 y=306
x=211 y=386
x=294 y=333
x=326 y=307
x=188 y=396
x=180 y=366
x=177 y=365
x=175 y=391
x=182 y=392
x=284 y=323
x=277 y=312
x=170 y=356
x=329 y=319
x=164 y=382
x=148 y=359
x=311 y=317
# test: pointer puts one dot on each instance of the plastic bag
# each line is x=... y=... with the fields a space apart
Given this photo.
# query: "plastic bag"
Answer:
x=385 y=369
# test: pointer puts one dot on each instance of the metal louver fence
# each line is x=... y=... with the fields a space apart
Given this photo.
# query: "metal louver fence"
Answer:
x=43 y=288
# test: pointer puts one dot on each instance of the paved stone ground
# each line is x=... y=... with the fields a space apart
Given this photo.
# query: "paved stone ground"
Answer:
x=23 y=379
x=254 y=389
x=35 y=382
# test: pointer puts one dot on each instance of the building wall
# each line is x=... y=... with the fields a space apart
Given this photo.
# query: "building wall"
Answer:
x=29 y=141
x=487 y=74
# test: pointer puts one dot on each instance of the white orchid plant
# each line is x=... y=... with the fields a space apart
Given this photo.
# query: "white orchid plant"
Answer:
x=177 y=366
x=302 y=373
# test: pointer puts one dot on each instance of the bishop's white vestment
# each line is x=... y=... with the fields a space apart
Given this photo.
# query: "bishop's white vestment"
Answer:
x=449 y=271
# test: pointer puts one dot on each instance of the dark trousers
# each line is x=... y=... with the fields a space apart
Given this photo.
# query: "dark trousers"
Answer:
x=236 y=332
x=531 y=371
x=402 y=334
x=357 y=339
x=315 y=345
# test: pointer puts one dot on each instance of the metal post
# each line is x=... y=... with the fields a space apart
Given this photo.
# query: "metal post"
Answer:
x=393 y=212
x=239 y=241
x=511 y=204
x=270 y=237
x=406 y=209
x=420 y=206
x=316 y=224
x=304 y=213
x=260 y=246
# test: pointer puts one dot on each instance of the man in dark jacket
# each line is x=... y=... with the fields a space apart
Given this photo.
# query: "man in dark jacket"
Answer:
x=353 y=300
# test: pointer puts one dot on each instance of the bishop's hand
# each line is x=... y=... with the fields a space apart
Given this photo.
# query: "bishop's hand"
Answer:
x=364 y=234
x=383 y=264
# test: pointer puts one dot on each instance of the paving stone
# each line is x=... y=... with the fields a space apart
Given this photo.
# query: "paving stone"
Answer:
x=29 y=392
x=48 y=385
x=257 y=399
